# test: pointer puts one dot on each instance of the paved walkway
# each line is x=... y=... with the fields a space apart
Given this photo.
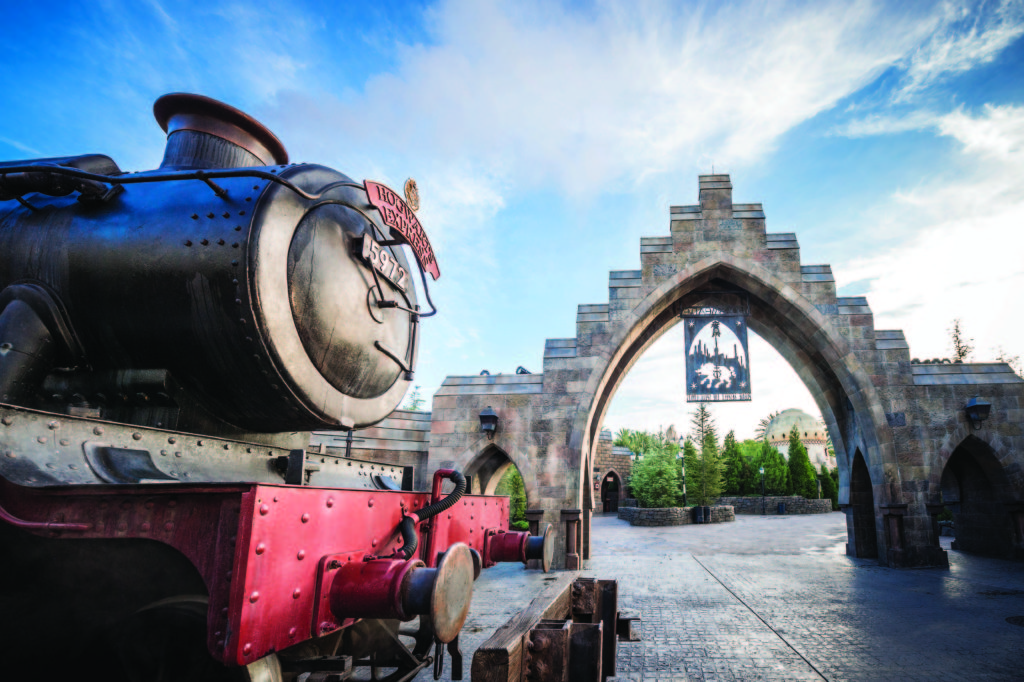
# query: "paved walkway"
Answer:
x=776 y=598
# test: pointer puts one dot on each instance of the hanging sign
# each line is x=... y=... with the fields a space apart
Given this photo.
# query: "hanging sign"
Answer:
x=717 y=361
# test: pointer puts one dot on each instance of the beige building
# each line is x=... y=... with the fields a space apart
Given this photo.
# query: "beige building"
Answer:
x=812 y=434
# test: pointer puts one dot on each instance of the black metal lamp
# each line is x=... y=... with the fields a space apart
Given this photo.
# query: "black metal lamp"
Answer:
x=977 y=411
x=489 y=422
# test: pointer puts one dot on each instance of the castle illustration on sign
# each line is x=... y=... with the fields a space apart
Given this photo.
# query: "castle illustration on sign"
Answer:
x=717 y=368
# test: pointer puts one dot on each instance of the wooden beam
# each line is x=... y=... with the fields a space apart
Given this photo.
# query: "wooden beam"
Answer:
x=500 y=658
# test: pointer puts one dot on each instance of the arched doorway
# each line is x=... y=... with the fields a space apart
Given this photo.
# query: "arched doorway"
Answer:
x=976 y=489
x=611 y=490
x=860 y=517
x=493 y=472
x=799 y=332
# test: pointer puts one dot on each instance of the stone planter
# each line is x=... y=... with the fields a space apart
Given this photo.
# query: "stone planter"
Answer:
x=672 y=516
x=774 y=505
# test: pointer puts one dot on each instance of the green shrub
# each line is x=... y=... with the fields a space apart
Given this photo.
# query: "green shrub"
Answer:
x=519 y=525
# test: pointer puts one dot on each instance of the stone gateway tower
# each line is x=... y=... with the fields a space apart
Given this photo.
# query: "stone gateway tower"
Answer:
x=904 y=445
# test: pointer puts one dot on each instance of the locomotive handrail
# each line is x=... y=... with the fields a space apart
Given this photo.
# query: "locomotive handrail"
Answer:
x=204 y=175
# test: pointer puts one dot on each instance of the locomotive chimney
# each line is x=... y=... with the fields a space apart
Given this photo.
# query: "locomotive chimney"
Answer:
x=205 y=133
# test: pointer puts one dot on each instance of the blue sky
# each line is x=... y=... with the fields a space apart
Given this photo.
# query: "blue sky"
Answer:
x=547 y=138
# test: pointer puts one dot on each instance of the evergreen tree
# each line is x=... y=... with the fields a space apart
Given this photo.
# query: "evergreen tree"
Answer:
x=733 y=464
x=828 y=487
x=702 y=423
x=704 y=472
x=802 y=479
x=750 y=451
x=415 y=401
x=776 y=471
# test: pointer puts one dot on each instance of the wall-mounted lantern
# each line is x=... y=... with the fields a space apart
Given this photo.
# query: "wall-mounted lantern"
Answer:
x=489 y=422
x=977 y=411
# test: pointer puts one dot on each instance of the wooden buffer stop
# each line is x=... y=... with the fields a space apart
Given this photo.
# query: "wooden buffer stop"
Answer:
x=567 y=634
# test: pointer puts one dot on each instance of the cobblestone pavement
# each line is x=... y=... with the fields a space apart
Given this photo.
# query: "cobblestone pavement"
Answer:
x=776 y=598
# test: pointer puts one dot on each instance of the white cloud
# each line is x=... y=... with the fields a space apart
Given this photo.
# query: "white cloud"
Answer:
x=961 y=255
x=537 y=95
x=966 y=35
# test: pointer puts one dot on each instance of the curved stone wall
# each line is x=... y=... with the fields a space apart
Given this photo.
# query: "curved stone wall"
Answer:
x=671 y=516
x=794 y=505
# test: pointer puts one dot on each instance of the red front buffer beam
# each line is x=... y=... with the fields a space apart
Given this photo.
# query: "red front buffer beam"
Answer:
x=396 y=588
x=519 y=546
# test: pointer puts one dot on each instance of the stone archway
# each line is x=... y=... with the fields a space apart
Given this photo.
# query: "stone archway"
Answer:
x=896 y=414
x=611 y=491
x=978 y=492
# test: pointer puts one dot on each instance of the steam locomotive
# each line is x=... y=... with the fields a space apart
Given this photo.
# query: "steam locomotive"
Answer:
x=167 y=340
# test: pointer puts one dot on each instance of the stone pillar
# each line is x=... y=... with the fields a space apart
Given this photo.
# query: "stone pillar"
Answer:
x=571 y=518
x=534 y=517
x=933 y=554
x=892 y=521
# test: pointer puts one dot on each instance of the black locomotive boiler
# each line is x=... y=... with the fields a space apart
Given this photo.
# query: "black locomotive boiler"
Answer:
x=168 y=338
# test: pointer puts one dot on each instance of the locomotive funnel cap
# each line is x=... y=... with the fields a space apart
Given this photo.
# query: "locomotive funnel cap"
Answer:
x=179 y=111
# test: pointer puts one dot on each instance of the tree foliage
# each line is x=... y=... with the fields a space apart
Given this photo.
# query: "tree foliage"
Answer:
x=829 y=487
x=802 y=478
x=733 y=461
x=701 y=424
x=962 y=345
x=511 y=484
x=415 y=401
x=704 y=470
x=655 y=479
x=761 y=432
x=776 y=471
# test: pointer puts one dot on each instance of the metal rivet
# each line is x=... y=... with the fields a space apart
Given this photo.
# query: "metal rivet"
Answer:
x=221 y=242
x=136 y=436
x=370 y=503
x=292 y=632
x=172 y=440
x=177 y=453
x=195 y=216
x=226 y=214
x=41 y=439
x=247 y=649
x=373 y=543
x=7 y=421
x=188 y=242
x=73 y=467
x=54 y=425
x=235 y=245
x=330 y=502
x=264 y=509
x=297 y=593
x=254 y=597
x=301 y=555
x=209 y=215
x=227 y=446
x=98 y=430
x=248 y=198
x=305 y=518
x=261 y=548
x=238 y=228
x=205 y=242
x=65 y=441
x=241 y=212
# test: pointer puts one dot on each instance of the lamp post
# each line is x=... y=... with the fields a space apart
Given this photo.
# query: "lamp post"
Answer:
x=763 y=503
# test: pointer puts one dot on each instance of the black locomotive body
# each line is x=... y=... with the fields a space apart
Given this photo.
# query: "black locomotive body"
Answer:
x=167 y=340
